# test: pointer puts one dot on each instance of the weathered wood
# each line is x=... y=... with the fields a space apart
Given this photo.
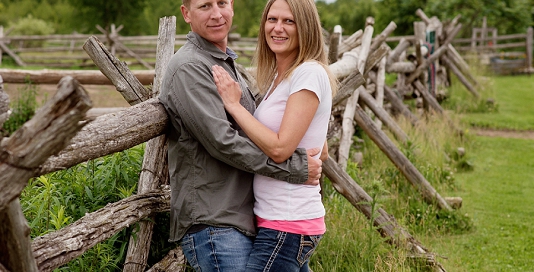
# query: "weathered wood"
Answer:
x=348 y=129
x=350 y=43
x=46 y=133
x=454 y=202
x=174 y=261
x=401 y=67
x=399 y=134
x=450 y=65
x=375 y=57
x=455 y=57
x=4 y=105
x=333 y=44
x=155 y=168
x=347 y=87
x=428 y=98
x=95 y=112
x=422 y=15
x=117 y=71
x=379 y=39
x=87 y=77
x=385 y=224
x=58 y=248
x=529 y=48
x=15 y=246
x=395 y=101
x=430 y=195
x=440 y=51
x=110 y=133
x=381 y=82
x=14 y=56
x=397 y=51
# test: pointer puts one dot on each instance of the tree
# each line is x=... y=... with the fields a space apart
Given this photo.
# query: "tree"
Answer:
x=105 y=12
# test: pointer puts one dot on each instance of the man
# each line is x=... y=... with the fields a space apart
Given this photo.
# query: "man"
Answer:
x=211 y=162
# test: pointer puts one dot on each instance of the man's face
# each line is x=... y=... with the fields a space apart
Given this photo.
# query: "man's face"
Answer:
x=211 y=19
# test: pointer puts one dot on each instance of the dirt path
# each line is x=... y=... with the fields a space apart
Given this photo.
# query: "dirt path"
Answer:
x=103 y=96
x=504 y=133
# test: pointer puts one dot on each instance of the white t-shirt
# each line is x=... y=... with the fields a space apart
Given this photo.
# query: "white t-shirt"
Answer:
x=280 y=200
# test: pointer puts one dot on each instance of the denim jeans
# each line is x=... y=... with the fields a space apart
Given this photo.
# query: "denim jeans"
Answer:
x=217 y=249
x=279 y=251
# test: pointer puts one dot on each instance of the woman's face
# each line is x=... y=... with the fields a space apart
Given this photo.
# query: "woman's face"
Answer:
x=281 y=30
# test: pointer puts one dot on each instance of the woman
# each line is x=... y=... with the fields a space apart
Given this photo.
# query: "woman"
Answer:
x=293 y=75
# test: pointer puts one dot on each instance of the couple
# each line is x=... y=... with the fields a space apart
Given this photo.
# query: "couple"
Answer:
x=244 y=190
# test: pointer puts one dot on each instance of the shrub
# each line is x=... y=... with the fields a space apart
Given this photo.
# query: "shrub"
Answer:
x=32 y=26
x=23 y=109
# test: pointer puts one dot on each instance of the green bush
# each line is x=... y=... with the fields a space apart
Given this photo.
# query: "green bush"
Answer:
x=22 y=108
x=31 y=26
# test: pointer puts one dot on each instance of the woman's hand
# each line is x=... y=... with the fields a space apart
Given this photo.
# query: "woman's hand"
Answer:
x=227 y=87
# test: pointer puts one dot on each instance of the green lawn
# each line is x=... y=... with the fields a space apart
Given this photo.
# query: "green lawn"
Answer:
x=499 y=193
x=499 y=196
x=514 y=96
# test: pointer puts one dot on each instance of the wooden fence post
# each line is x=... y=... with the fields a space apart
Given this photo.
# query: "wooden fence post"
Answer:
x=45 y=134
x=529 y=49
x=155 y=169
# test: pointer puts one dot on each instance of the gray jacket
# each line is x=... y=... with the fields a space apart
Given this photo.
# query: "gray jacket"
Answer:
x=211 y=161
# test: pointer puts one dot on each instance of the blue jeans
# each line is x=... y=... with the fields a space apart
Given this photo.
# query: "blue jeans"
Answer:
x=217 y=249
x=281 y=251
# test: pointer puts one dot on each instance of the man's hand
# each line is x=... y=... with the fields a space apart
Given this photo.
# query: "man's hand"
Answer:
x=314 y=167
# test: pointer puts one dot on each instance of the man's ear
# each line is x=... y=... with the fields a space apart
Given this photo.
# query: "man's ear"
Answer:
x=185 y=14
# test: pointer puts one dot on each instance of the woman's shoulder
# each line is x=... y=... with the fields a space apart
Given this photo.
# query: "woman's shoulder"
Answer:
x=311 y=66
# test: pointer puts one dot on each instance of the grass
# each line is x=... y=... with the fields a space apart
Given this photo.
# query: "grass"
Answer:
x=512 y=109
x=499 y=197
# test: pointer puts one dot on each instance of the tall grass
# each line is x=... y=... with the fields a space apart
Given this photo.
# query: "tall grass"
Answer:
x=352 y=243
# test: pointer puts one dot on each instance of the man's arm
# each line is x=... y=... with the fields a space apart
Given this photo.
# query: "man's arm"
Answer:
x=202 y=112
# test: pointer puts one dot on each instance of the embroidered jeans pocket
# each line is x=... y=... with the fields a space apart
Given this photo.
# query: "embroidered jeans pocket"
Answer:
x=308 y=244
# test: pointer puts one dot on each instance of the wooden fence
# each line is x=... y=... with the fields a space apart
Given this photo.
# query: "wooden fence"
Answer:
x=146 y=119
x=504 y=54
x=65 y=51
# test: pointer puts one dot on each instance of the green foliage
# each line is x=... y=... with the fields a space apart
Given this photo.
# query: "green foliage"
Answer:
x=31 y=26
x=22 y=108
x=141 y=17
x=105 y=13
x=55 y=200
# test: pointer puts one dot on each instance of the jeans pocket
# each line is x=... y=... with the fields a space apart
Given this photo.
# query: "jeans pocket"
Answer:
x=188 y=248
x=308 y=244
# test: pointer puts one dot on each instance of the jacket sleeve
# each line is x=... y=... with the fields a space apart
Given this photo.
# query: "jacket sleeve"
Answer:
x=202 y=112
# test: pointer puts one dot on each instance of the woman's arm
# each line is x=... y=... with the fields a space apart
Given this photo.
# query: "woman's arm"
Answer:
x=298 y=115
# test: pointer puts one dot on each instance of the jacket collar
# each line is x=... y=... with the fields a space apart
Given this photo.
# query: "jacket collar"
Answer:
x=210 y=47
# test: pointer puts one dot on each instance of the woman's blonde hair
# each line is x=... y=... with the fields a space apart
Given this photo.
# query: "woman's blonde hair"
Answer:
x=311 y=44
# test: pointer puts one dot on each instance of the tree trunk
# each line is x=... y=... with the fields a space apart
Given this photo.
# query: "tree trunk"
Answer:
x=55 y=249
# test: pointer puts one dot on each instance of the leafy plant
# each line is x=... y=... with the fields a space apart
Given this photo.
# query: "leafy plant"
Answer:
x=22 y=108
x=31 y=26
